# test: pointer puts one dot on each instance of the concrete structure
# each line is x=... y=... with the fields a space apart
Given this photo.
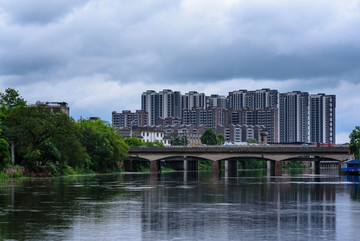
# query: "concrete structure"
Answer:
x=61 y=106
x=254 y=100
x=274 y=154
x=294 y=117
x=237 y=99
x=169 y=121
x=150 y=104
x=238 y=134
x=191 y=132
x=322 y=118
x=193 y=99
x=164 y=104
x=289 y=117
x=209 y=117
x=147 y=134
x=127 y=118
x=267 y=118
x=214 y=100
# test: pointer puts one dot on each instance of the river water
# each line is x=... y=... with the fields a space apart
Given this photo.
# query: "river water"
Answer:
x=182 y=206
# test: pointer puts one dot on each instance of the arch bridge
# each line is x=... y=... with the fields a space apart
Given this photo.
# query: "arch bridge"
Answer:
x=274 y=154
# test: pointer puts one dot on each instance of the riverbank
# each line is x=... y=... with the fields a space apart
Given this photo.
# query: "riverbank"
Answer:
x=50 y=170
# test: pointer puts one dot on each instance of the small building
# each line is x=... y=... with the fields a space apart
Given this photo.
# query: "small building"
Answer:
x=146 y=134
x=62 y=106
x=351 y=167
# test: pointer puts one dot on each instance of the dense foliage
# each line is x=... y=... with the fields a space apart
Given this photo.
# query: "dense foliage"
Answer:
x=136 y=142
x=210 y=138
x=251 y=140
x=105 y=148
x=53 y=135
x=4 y=154
x=355 y=141
x=48 y=141
x=252 y=164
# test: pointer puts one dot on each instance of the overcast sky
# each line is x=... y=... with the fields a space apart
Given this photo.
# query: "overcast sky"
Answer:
x=100 y=55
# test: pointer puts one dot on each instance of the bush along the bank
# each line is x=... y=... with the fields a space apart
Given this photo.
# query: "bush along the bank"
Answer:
x=293 y=164
x=48 y=142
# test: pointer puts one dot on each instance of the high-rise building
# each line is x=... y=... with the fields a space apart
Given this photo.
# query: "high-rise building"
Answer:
x=289 y=117
x=267 y=117
x=127 y=118
x=150 y=104
x=255 y=100
x=322 y=118
x=164 y=104
x=170 y=104
x=294 y=117
x=216 y=101
x=193 y=99
x=237 y=99
x=209 y=117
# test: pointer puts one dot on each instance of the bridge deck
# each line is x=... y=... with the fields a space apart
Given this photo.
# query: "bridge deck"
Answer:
x=341 y=149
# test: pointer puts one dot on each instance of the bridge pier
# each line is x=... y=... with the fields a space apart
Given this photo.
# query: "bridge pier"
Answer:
x=315 y=166
x=274 y=168
x=190 y=165
x=339 y=168
x=155 y=166
x=231 y=168
x=216 y=169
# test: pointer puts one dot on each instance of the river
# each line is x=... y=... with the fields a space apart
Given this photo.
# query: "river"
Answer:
x=182 y=206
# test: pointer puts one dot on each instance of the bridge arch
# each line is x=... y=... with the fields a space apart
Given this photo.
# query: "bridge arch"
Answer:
x=273 y=153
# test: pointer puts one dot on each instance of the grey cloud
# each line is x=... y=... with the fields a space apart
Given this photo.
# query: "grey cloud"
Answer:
x=159 y=41
x=38 y=11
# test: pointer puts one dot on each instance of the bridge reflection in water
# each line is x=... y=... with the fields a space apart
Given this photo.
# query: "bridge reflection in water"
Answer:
x=186 y=158
x=266 y=207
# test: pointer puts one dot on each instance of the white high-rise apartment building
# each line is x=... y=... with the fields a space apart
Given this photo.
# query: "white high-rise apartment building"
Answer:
x=322 y=118
x=170 y=104
x=193 y=99
x=164 y=104
x=150 y=104
x=237 y=99
x=216 y=101
x=254 y=100
x=294 y=117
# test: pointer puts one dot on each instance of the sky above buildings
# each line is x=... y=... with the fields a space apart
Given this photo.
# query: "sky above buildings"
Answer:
x=100 y=55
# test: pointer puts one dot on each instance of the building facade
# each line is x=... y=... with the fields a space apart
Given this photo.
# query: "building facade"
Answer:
x=288 y=117
x=127 y=118
x=193 y=99
x=322 y=118
x=294 y=117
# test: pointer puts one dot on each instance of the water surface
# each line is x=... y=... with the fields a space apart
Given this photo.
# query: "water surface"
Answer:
x=182 y=206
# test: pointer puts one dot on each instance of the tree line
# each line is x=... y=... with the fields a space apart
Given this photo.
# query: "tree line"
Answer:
x=48 y=141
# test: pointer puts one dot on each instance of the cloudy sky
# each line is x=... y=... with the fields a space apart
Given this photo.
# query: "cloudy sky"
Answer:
x=100 y=55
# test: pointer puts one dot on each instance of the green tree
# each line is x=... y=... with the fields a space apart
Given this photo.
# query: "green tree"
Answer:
x=134 y=142
x=221 y=139
x=251 y=140
x=4 y=154
x=11 y=98
x=105 y=147
x=8 y=100
x=209 y=138
x=154 y=144
x=355 y=141
x=51 y=134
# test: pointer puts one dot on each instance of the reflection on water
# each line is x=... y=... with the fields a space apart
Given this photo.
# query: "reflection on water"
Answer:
x=182 y=206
